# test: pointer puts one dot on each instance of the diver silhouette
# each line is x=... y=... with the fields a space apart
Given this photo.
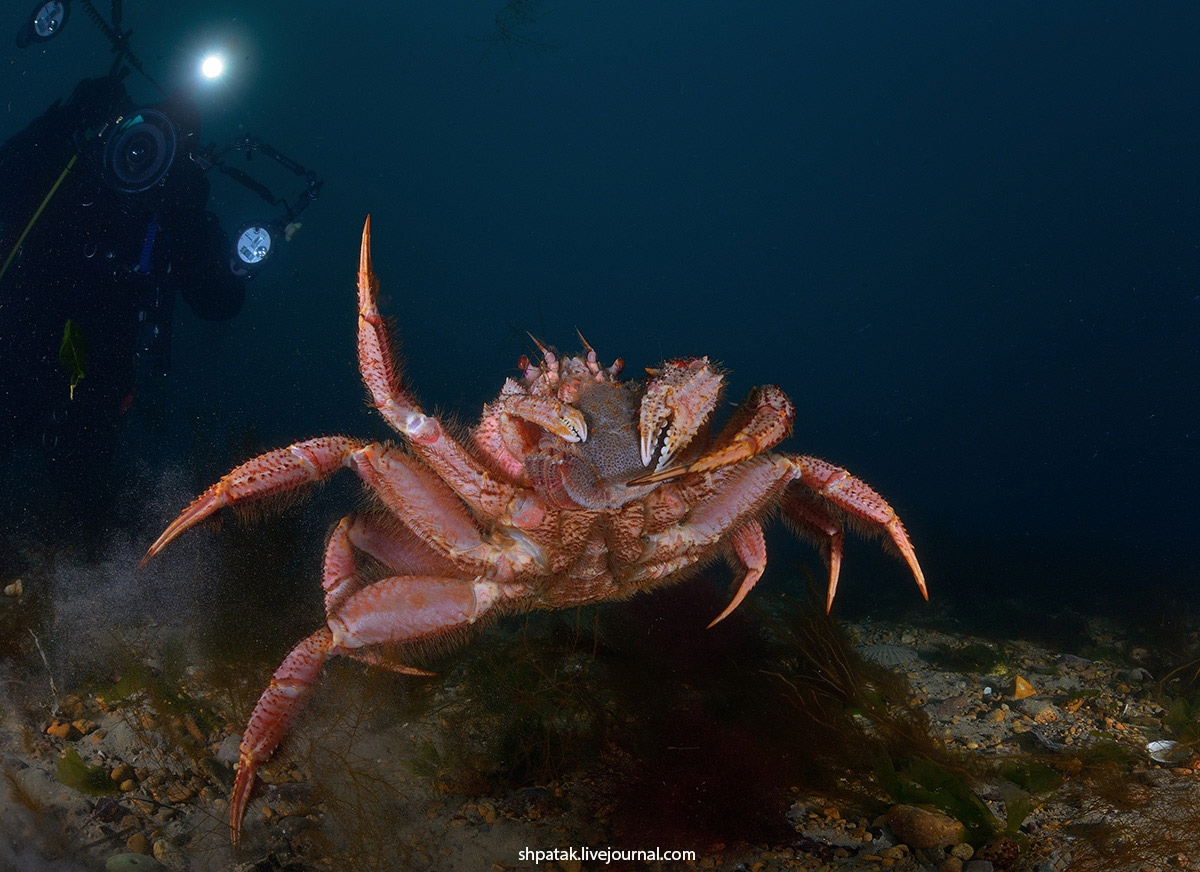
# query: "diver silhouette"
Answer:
x=103 y=221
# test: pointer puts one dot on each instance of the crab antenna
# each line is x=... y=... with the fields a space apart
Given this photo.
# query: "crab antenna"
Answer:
x=534 y=340
x=547 y=354
x=586 y=345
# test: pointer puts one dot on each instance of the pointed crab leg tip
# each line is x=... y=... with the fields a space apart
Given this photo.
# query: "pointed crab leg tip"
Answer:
x=364 y=253
x=920 y=578
x=728 y=610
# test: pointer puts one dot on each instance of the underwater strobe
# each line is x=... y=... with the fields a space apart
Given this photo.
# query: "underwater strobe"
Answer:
x=43 y=23
x=252 y=246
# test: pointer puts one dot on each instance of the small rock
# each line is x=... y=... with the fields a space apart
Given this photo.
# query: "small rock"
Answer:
x=487 y=811
x=138 y=844
x=1022 y=689
x=16 y=588
x=61 y=729
x=166 y=853
x=121 y=772
x=1036 y=708
x=962 y=851
x=228 y=753
x=127 y=785
x=951 y=864
x=1001 y=853
x=919 y=828
x=180 y=792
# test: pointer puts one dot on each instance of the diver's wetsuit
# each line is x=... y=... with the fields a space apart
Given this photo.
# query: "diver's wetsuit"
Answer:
x=98 y=257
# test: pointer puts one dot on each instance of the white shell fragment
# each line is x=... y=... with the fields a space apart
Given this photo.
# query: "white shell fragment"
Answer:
x=1165 y=751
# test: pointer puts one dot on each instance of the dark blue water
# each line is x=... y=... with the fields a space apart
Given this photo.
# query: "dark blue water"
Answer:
x=962 y=237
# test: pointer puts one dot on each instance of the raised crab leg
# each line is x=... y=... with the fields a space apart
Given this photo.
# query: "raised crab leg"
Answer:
x=401 y=609
x=860 y=502
x=468 y=477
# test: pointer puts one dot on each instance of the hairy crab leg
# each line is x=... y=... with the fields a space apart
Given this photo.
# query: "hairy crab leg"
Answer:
x=396 y=547
x=290 y=687
x=272 y=473
x=394 y=610
x=468 y=477
x=725 y=505
x=812 y=520
x=859 y=501
x=738 y=495
x=750 y=549
x=763 y=423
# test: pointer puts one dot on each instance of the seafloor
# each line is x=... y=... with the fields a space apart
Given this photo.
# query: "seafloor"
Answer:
x=779 y=740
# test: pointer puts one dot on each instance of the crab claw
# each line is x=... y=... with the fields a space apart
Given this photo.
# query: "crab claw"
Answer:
x=565 y=422
x=678 y=401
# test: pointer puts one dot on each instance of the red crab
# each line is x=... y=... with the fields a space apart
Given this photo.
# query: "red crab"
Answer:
x=575 y=487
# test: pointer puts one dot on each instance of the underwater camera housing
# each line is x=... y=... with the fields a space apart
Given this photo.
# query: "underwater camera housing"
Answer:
x=139 y=153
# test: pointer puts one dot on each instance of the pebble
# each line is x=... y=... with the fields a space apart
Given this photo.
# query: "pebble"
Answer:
x=138 y=844
x=166 y=853
x=1003 y=852
x=962 y=851
x=228 y=752
x=1022 y=688
x=180 y=792
x=919 y=828
x=61 y=729
x=15 y=589
x=1040 y=710
x=121 y=772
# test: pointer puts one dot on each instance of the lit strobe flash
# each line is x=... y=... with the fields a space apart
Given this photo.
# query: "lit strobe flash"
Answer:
x=212 y=66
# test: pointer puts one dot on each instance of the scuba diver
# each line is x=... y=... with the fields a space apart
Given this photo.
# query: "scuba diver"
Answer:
x=88 y=288
x=104 y=220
